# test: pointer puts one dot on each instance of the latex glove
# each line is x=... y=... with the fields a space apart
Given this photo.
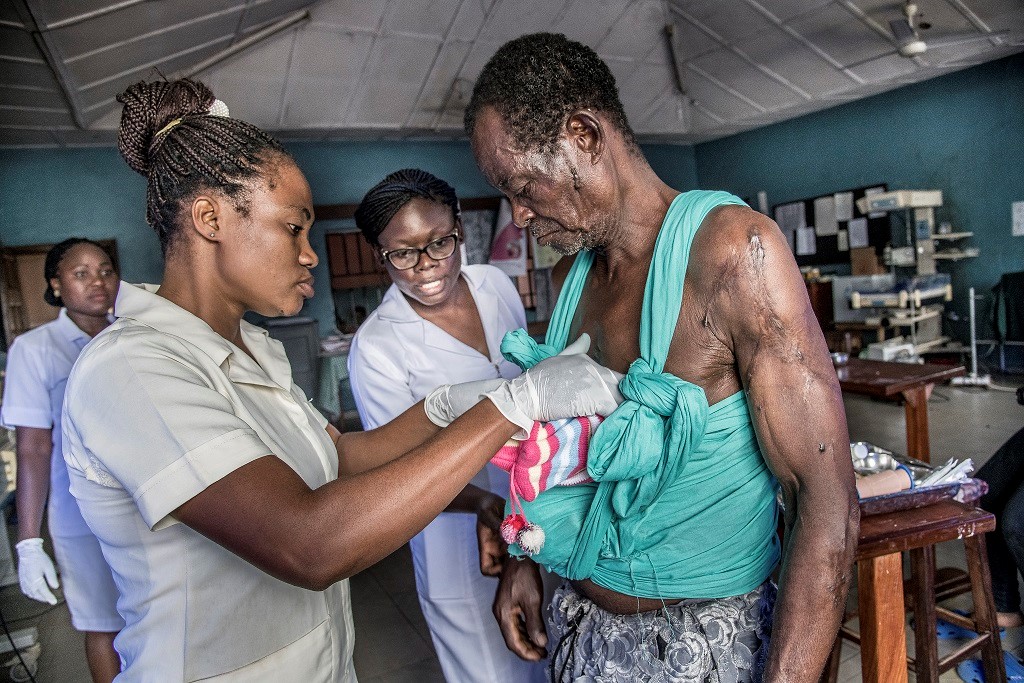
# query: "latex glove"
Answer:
x=449 y=401
x=36 y=571
x=518 y=607
x=570 y=384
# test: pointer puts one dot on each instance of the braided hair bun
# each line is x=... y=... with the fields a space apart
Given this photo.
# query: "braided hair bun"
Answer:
x=169 y=135
x=149 y=108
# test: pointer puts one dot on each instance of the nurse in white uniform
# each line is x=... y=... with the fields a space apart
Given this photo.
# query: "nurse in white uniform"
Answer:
x=80 y=278
x=230 y=512
x=439 y=322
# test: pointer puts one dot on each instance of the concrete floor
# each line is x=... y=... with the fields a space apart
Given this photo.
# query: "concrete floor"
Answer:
x=393 y=644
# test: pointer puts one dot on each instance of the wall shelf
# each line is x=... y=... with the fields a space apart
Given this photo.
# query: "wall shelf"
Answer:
x=952 y=235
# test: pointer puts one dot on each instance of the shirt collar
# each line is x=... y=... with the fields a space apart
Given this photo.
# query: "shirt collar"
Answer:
x=70 y=331
x=141 y=303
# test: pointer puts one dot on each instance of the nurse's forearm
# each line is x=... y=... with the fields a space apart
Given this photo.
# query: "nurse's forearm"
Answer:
x=361 y=451
x=265 y=513
x=34 y=450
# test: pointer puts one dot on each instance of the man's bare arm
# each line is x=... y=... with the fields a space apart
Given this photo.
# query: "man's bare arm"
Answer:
x=798 y=414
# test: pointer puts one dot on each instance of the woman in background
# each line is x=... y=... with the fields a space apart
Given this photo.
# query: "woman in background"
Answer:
x=80 y=279
x=438 y=323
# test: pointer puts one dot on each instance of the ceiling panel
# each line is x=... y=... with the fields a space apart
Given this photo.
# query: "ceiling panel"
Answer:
x=147 y=19
x=637 y=30
x=510 y=18
x=432 y=18
x=837 y=32
x=126 y=54
x=691 y=41
x=358 y=15
x=796 y=62
x=786 y=9
x=231 y=81
x=324 y=70
x=395 y=68
x=645 y=85
x=103 y=89
x=732 y=21
x=440 y=94
x=747 y=80
x=17 y=42
x=260 y=13
x=31 y=96
x=717 y=100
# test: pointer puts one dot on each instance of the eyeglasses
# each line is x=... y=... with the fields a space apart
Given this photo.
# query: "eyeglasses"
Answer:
x=408 y=257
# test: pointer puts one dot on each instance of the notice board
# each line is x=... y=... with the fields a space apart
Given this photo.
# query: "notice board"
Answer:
x=821 y=230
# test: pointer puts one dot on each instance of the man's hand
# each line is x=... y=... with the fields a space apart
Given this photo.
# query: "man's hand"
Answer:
x=518 y=609
x=493 y=550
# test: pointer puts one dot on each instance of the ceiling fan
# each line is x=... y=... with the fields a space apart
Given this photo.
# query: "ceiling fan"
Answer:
x=910 y=42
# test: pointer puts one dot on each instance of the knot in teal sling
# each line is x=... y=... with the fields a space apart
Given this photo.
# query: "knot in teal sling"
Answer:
x=668 y=470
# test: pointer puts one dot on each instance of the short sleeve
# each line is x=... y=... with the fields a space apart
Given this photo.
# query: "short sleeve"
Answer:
x=381 y=390
x=26 y=401
x=154 y=423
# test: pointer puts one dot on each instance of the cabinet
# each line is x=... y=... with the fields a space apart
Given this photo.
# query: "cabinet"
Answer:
x=353 y=263
x=301 y=339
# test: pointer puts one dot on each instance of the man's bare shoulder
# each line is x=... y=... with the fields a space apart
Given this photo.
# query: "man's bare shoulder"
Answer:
x=737 y=242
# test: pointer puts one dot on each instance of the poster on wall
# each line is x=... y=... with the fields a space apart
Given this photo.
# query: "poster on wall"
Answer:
x=508 y=248
x=477 y=233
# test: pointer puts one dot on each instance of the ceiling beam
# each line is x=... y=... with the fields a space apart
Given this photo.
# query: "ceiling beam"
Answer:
x=53 y=61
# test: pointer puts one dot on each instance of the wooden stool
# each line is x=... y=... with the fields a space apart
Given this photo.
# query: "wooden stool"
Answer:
x=880 y=595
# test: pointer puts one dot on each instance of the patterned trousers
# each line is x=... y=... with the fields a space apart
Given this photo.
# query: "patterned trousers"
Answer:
x=708 y=641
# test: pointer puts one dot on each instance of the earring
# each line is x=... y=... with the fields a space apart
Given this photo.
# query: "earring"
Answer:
x=56 y=293
x=213 y=234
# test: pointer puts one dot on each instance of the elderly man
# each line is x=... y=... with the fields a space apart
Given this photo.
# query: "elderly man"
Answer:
x=668 y=553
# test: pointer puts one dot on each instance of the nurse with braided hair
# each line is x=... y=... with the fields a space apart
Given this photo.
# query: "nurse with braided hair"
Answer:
x=230 y=512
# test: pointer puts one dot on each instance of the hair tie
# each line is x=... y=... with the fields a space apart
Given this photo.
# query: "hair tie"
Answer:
x=218 y=108
x=168 y=127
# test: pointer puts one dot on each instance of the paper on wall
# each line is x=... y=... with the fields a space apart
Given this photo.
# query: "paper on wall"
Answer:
x=844 y=205
x=508 y=248
x=844 y=241
x=790 y=217
x=870 y=191
x=806 y=241
x=858 y=229
x=825 y=215
x=1018 y=219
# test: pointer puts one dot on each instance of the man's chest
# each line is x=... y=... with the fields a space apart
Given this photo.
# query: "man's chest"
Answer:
x=612 y=316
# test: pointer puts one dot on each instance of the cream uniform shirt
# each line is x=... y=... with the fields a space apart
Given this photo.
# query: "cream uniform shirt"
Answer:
x=158 y=408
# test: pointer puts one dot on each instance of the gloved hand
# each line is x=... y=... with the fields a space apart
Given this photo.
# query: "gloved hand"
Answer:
x=570 y=384
x=36 y=570
x=557 y=387
x=449 y=401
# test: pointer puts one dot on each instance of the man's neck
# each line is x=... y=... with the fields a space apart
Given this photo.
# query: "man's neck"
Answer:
x=643 y=202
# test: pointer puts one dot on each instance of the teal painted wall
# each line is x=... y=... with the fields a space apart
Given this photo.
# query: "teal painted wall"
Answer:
x=962 y=133
x=47 y=195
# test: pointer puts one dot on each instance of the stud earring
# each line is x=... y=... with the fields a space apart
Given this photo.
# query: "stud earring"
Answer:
x=213 y=234
x=56 y=293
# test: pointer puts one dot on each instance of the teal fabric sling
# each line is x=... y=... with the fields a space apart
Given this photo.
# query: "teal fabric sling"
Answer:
x=683 y=504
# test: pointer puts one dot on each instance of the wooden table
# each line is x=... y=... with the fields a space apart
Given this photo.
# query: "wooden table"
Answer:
x=910 y=381
x=880 y=576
